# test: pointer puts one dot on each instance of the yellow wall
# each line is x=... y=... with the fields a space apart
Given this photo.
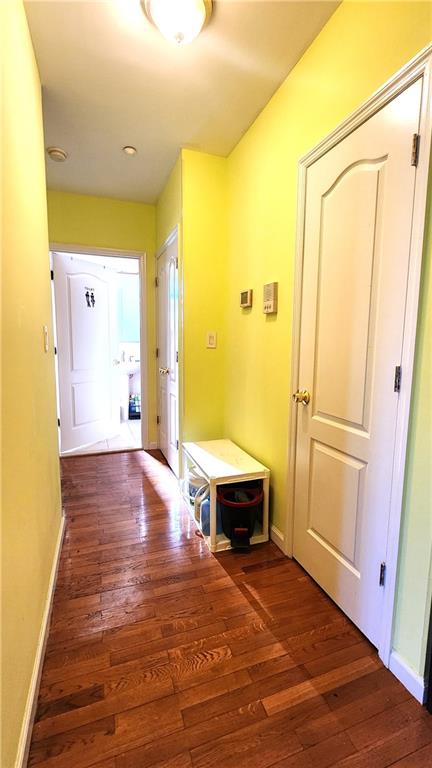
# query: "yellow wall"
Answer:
x=106 y=223
x=169 y=205
x=194 y=198
x=31 y=492
x=360 y=47
x=101 y=221
x=415 y=575
x=204 y=250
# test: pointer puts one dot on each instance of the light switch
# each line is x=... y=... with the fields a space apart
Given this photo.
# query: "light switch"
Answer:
x=45 y=335
x=211 y=339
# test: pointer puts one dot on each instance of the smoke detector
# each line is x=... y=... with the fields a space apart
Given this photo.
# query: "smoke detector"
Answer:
x=57 y=154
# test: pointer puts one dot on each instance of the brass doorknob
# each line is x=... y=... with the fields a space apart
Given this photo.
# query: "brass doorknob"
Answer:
x=301 y=396
x=164 y=370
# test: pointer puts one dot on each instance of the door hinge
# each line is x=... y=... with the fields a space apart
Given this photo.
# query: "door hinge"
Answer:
x=157 y=420
x=58 y=422
x=156 y=282
x=52 y=274
x=55 y=350
x=176 y=357
x=157 y=351
x=176 y=263
x=382 y=574
x=397 y=378
x=177 y=444
x=415 y=149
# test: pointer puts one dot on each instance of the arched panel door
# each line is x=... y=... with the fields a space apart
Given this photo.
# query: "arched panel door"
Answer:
x=358 y=217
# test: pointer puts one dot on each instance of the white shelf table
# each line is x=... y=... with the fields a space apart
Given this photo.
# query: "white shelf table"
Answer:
x=222 y=462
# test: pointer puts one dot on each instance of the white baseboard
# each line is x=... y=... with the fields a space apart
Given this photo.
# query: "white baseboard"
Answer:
x=153 y=446
x=412 y=681
x=277 y=537
x=30 y=709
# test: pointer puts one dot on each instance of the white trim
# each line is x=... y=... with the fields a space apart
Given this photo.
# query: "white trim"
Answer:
x=181 y=340
x=174 y=235
x=408 y=677
x=277 y=537
x=419 y=66
x=93 y=250
x=170 y=239
x=141 y=256
x=153 y=446
x=32 y=696
x=413 y=70
x=144 y=347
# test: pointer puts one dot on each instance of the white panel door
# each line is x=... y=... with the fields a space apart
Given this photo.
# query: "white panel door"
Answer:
x=168 y=379
x=86 y=321
x=359 y=202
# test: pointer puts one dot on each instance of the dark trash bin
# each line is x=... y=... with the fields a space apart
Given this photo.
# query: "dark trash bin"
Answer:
x=240 y=506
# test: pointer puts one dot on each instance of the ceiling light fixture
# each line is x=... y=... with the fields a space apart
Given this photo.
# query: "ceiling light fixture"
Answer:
x=57 y=154
x=179 y=21
x=128 y=150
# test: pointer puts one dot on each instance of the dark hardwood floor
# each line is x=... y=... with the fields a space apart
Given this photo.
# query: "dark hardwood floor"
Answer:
x=161 y=654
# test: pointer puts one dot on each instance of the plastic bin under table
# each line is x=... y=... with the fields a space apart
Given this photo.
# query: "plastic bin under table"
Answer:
x=222 y=462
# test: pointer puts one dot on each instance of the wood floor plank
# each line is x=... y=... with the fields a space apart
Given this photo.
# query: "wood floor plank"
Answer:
x=390 y=750
x=178 y=761
x=205 y=692
x=119 y=701
x=343 y=718
x=385 y=723
x=241 y=697
x=257 y=746
x=322 y=755
x=321 y=684
x=137 y=640
x=421 y=758
x=162 y=655
x=151 y=667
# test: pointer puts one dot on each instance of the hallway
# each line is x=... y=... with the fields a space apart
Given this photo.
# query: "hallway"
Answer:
x=163 y=655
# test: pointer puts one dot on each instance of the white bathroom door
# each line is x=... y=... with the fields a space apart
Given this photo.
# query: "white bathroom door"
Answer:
x=358 y=216
x=86 y=322
x=168 y=376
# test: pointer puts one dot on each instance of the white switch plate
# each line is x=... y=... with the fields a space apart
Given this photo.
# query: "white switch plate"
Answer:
x=45 y=335
x=211 y=339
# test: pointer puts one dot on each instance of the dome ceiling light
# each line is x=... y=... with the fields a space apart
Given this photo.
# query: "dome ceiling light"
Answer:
x=179 y=21
x=128 y=150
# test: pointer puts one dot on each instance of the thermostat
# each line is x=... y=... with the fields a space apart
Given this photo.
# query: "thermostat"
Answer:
x=270 y=298
x=246 y=298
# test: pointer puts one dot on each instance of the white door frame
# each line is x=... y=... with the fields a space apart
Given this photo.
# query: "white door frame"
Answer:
x=174 y=235
x=91 y=250
x=419 y=66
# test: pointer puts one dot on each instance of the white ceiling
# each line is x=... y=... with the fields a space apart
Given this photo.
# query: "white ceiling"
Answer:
x=110 y=79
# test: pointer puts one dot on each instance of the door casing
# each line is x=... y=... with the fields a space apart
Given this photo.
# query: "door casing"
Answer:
x=142 y=259
x=418 y=67
x=175 y=234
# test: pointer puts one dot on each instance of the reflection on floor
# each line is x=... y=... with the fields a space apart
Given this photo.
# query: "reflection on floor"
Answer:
x=128 y=437
x=162 y=655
